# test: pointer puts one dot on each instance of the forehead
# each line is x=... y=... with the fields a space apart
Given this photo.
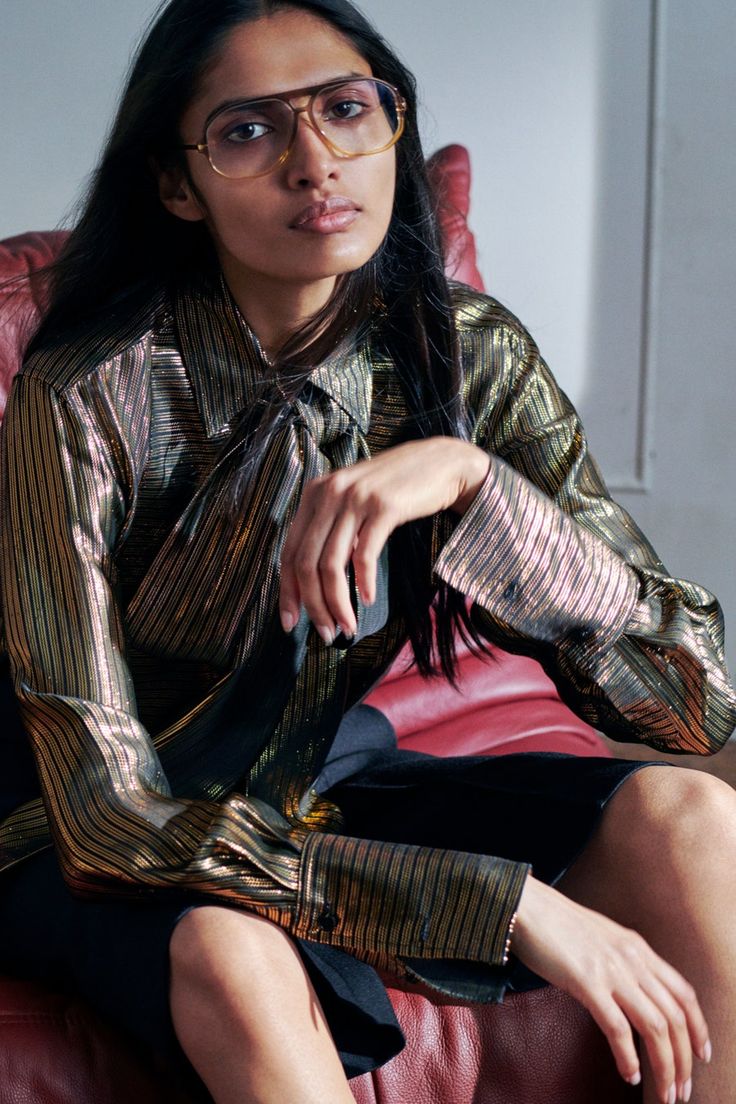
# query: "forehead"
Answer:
x=285 y=50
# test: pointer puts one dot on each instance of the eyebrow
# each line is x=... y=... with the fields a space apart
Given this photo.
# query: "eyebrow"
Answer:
x=226 y=105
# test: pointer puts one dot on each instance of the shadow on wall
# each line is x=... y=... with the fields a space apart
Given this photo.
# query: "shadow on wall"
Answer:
x=612 y=401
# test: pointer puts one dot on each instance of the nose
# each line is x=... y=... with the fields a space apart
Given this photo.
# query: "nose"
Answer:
x=311 y=162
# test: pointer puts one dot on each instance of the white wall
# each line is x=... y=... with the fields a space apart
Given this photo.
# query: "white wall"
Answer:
x=690 y=509
x=603 y=146
x=518 y=81
x=61 y=65
x=522 y=91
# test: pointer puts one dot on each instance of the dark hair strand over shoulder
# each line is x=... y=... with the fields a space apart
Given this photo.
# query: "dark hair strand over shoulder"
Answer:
x=126 y=248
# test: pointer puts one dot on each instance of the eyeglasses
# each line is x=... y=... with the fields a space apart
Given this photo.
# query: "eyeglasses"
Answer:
x=354 y=117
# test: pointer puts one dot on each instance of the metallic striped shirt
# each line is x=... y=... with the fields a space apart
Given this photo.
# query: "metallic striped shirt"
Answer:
x=177 y=731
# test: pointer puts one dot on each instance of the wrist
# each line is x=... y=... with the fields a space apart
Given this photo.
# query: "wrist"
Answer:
x=476 y=466
x=526 y=919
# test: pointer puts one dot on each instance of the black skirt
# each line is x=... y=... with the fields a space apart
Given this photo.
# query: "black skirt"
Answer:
x=536 y=808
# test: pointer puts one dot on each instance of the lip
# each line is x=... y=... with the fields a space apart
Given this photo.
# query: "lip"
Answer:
x=328 y=216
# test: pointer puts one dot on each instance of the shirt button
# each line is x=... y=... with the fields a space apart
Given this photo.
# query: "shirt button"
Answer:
x=327 y=919
x=510 y=591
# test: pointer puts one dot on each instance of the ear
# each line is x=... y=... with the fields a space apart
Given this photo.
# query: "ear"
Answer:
x=177 y=196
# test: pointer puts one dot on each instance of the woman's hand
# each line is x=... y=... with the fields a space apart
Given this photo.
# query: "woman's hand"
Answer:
x=349 y=515
x=616 y=975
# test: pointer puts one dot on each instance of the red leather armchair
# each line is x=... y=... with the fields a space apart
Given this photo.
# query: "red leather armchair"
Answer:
x=535 y=1048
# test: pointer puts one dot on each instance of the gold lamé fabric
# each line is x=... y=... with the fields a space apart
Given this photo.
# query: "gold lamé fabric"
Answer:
x=177 y=731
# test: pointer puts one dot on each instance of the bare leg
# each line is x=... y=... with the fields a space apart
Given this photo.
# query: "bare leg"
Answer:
x=246 y=1014
x=663 y=861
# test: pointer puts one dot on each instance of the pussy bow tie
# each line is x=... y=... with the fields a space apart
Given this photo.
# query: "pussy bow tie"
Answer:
x=220 y=567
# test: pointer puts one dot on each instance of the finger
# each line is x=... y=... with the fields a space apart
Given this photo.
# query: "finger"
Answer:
x=289 y=596
x=309 y=582
x=678 y=1027
x=299 y=583
x=333 y=564
x=687 y=998
x=326 y=499
x=617 y=1030
x=654 y=1030
x=372 y=537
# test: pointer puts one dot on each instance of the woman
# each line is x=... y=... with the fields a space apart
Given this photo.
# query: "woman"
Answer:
x=251 y=376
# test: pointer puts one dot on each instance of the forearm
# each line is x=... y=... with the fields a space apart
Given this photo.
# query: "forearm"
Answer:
x=532 y=567
x=408 y=901
x=633 y=651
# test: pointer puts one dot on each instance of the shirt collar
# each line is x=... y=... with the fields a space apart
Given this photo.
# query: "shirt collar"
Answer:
x=229 y=371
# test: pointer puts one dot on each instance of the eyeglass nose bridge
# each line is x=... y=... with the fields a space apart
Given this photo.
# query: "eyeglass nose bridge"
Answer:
x=307 y=110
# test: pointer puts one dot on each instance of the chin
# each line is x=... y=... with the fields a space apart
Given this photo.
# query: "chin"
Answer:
x=343 y=257
x=329 y=266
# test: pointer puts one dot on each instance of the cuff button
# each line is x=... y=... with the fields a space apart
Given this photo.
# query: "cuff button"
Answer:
x=328 y=920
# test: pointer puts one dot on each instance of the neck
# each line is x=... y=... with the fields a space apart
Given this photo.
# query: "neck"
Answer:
x=276 y=310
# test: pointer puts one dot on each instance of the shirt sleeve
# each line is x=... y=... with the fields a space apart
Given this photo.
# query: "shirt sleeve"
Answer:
x=559 y=571
x=67 y=493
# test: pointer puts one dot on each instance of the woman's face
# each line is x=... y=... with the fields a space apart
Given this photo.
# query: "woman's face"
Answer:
x=268 y=230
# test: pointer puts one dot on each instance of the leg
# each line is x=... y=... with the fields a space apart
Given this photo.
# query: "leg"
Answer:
x=246 y=1014
x=663 y=861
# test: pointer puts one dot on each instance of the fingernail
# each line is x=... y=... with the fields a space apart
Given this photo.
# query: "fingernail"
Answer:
x=707 y=1052
x=635 y=1079
x=687 y=1090
x=672 y=1095
x=347 y=633
x=288 y=621
x=326 y=633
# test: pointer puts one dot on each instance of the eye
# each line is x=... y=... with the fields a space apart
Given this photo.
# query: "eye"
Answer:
x=242 y=132
x=345 y=109
x=350 y=103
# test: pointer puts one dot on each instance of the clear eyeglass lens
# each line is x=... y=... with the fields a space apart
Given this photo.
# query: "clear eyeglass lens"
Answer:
x=357 y=117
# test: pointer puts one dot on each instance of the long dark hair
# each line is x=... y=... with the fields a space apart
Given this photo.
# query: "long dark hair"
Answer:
x=126 y=247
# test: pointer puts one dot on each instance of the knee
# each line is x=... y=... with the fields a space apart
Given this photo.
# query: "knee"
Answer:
x=678 y=813
x=210 y=942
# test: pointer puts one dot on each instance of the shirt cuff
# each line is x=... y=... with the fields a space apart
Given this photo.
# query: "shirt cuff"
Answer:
x=531 y=566
x=401 y=899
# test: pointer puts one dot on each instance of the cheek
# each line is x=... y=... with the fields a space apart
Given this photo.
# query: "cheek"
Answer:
x=380 y=192
x=233 y=215
x=387 y=183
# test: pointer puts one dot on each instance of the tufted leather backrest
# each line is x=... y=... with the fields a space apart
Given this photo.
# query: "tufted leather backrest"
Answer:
x=22 y=259
x=449 y=177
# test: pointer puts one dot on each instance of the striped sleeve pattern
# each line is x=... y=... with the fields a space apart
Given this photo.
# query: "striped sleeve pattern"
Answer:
x=96 y=452
x=117 y=827
x=533 y=566
x=72 y=468
x=441 y=904
x=560 y=571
